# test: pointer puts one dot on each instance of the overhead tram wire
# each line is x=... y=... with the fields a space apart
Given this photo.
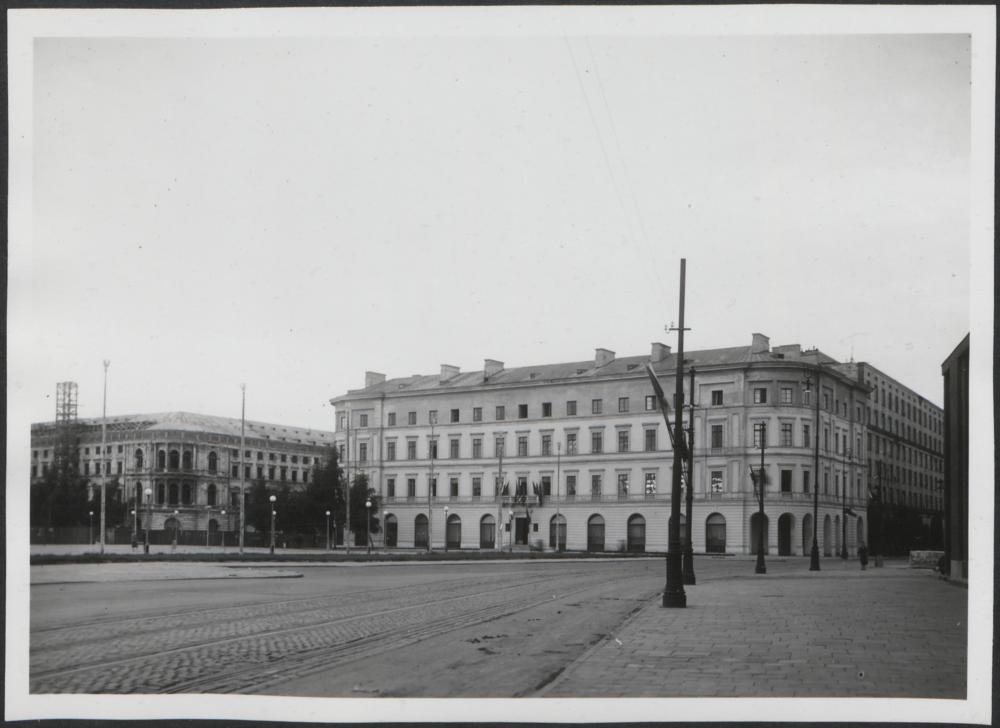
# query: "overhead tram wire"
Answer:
x=647 y=269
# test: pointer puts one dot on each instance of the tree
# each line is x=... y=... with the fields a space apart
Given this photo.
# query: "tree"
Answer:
x=258 y=506
x=360 y=493
x=326 y=491
x=59 y=498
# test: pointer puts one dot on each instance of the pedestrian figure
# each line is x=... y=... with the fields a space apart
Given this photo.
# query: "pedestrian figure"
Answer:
x=863 y=555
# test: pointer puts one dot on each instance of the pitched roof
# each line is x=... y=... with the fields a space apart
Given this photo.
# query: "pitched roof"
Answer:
x=194 y=422
x=583 y=370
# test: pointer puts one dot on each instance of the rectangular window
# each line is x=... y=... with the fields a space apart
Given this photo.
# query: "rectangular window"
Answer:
x=295 y=476
x=623 y=485
x=623 y=404
x=522 y=411
x=391 y=419
x=546 y=409
x=432 y=417
x=716 y=436
x=363 y=420
x=270 y=472
x=805 y=436
x=390 y=450
x=454 y=415
x=434 y=487
x=759 y=434
x=623 y=441
x=86 y=468
x=650 y=484
x=650 y=435
x=716 y=397
x=477 y=447
x=477 y=414
x=760 y=395
x=363 y=451
x=826 y=438
x=390 y=487
x=236 y=471
x=595 y=485
x=571 y=408
x=596 y=441
x=453 y=449
x=453 y=487
x=477 y=487
x=717 y=484
x=596 y=406
x=522 y=446
x=786 y=395
x=805 y=481
x=826 y=484
x=246 y=472
x=343 y=421
x=432 y=449
x=411 y=418
x=501 y=412
x=546 y=485
x=571 y=443
x=411 y=487
x=786 y=481
x=570 y=486
x=411 y=449
x=498 y=447
x=786 y=434
x=546 y=444
x=305 y=476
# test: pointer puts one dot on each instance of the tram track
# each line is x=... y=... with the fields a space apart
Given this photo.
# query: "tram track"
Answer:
x=247 y=649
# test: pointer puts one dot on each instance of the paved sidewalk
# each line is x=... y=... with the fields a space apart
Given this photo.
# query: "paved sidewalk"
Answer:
x=840 y=632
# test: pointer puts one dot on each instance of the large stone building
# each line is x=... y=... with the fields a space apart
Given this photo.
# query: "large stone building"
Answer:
x=589 y=437
x=955 y=371
x=189 y=462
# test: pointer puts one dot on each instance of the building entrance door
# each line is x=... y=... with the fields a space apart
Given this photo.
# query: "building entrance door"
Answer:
x=521 y=530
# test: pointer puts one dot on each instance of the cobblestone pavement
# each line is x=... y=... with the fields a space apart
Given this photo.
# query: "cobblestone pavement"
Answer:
x=839 y=632
x=500 y=630
x=245 y=648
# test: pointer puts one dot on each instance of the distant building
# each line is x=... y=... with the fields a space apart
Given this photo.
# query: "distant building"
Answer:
x=458 y=457
x=955 y=370
x=190 y=462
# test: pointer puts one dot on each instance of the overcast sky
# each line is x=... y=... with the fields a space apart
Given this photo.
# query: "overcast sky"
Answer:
x=290 y=212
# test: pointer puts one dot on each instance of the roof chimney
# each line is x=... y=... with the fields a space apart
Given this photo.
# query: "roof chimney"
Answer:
x=373 y=378
x=603 y=356
x=660 y=352
x=491 y=367
x=761 y=344
x=448 y=371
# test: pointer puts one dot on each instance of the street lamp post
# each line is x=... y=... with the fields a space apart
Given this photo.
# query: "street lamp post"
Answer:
x=243 y=463
x=510 y=528
x=223 y=542
x=208 y=529
x=368 y=523
x=761 y=567
x=446 y=529
x=101 y=463
x=844 y=481
x=90 y=522
x=431 y=486
x=688 y=562
x=814 y=551
x=328 y=530
x=273 y=514
x=135 y=529
x=173 y=545
x=559 y=540
x=149 y=516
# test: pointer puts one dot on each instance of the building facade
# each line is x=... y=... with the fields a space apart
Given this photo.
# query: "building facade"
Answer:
x=189 y=464
x=578 y=454
x=955 y=371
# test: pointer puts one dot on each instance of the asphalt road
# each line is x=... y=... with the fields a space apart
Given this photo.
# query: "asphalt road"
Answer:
x=428 y=630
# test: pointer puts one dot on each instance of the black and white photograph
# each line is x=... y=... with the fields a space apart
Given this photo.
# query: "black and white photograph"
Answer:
x=547 y=363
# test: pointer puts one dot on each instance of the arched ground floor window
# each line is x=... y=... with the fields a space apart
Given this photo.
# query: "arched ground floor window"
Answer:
x=453 y=532
x=595 y=533
x=487 y=532
x=420 y=534
x=391 y=531
x=636 y=534
x=715 y=534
